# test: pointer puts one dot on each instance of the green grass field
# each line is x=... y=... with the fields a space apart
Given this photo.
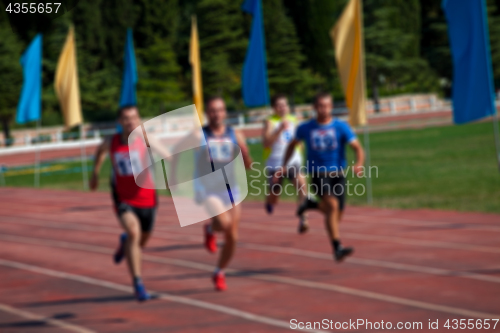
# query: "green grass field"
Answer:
x=451 y=168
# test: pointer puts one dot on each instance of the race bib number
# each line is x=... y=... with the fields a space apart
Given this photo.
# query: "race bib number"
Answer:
x=124 y=161
x=324 y=139
x=220 y=150
x=287 y=135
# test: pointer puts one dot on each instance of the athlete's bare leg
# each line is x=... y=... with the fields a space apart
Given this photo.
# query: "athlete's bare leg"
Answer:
x=299 y=183
x=144 y=238
x=227 y=223
x=130 y=223
x=329 y=205
x=272 y=198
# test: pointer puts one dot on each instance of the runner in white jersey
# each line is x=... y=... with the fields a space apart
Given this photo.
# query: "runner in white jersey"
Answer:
x=279 y=130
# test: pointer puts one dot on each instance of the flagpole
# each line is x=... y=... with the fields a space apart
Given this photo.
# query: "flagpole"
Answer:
x=369 y=194
x=83 y=158
x=37 y=154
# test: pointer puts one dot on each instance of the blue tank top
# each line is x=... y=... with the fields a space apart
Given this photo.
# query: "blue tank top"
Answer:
x=222 y=149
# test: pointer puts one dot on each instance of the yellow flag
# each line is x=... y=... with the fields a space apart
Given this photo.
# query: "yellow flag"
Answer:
x=347 y=36
x=194 y=60
x=66 y=83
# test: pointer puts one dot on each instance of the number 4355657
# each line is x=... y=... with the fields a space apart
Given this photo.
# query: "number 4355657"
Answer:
x=478 y=324
x=32 y=8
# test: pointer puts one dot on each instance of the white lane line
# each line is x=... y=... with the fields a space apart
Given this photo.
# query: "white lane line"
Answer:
x=283 y=250
x=50 y=321
x=381 y=217
x=269 y=278
x=433 y=224
x=380 y=297
x=377 y=220
x=372 y=262
x=172 y=298
x=351 y=235
x=391 y=239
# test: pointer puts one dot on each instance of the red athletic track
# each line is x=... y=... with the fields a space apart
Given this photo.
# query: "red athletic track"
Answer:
x=412 y=120
x=57 y=274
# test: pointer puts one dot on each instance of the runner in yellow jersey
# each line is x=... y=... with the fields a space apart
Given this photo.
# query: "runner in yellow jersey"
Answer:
x=279 y=130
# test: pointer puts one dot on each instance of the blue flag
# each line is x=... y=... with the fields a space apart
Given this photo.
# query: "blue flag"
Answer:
x=30 y=102
x=254 y=83
x=129 y=81
x=473 y=92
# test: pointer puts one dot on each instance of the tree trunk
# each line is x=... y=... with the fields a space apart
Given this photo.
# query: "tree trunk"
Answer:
x=6 y=130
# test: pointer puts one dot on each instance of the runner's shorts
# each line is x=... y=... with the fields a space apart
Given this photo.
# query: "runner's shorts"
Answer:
x=329 y=184
x=146 y=216
x=291 y=172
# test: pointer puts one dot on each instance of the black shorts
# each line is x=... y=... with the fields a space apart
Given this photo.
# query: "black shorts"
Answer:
x=333 y=185
x=146 y=216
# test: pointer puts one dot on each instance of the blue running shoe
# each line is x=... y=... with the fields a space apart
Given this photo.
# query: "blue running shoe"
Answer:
x=269 y=208
x=140 y=292
x=120 y=252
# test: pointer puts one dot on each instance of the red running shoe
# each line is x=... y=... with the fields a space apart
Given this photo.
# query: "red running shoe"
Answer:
x=219 y=281
x=210 y=243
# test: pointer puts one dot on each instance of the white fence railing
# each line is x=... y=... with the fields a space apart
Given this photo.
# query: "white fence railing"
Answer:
x=26 y=140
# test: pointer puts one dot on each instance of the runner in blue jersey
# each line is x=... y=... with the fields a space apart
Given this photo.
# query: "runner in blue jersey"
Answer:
x=325 y=139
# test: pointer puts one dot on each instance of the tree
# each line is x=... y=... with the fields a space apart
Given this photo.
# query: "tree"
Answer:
x=156 y=34
x=392 y=59
x=284 y=54
x=494 y=29
x=222 y=47
x=10 y=84
x=160 y=76
x=157 y=18
x=313 y=20
x=434 y=43
x=100 y=45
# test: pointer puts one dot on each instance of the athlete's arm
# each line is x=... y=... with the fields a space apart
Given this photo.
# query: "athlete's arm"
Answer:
x=247 y=160
x=269 y=137
x=289 y=151
x=360 y=156
x=100 y=155
x=191 y=140
x=159 y=148
x=288 y=154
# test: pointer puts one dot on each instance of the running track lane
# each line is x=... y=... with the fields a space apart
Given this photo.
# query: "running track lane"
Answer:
x=273 y=283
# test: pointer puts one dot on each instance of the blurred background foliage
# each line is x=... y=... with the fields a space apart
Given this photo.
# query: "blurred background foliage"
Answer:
x=406 y=42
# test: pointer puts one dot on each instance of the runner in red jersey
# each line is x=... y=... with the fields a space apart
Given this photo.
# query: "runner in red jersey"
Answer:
x=134 y=205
